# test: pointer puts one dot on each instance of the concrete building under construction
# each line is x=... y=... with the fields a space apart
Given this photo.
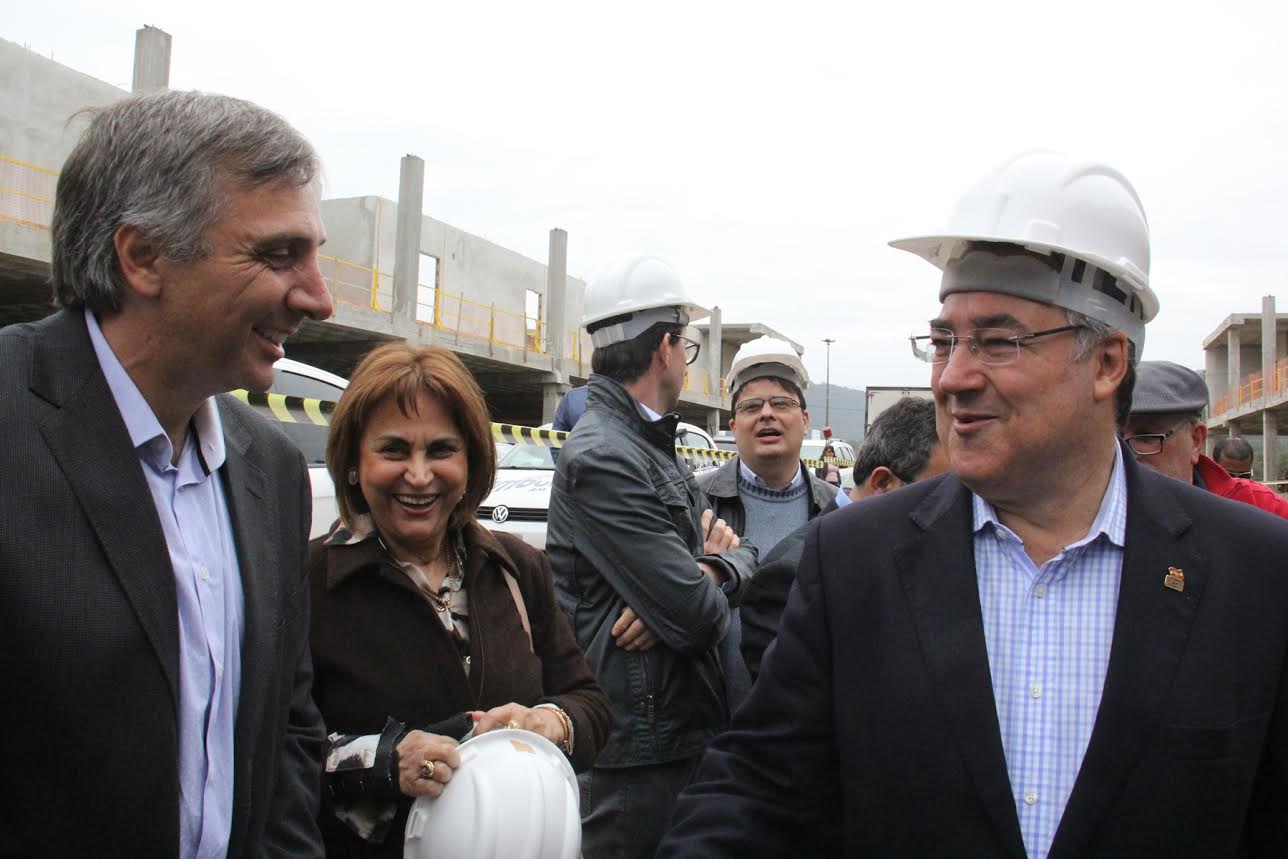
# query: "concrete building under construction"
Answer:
x=1246 y=363
x=393 y=272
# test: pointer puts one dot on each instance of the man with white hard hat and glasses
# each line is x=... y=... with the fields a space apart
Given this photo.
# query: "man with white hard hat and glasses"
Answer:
x=1048 y=651
x=765 y=492
x=644 y=573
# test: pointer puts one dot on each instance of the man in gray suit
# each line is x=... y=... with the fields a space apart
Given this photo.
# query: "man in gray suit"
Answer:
x=153 y=605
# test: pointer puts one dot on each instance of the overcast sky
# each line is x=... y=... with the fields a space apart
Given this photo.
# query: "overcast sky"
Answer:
x=768 y=151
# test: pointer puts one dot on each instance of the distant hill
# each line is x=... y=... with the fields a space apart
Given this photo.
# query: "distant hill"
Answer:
x=848 y=410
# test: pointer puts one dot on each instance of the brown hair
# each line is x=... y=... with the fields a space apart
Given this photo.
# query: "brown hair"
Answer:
x=401 y=371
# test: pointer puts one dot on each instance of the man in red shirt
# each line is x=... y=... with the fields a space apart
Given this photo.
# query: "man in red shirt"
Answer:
x=1166 y=432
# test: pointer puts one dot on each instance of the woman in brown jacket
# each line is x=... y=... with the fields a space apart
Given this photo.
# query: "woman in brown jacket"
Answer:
x=426 y=626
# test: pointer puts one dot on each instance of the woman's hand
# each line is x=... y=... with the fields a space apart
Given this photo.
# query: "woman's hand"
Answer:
x=539 y=720
x=420 y=753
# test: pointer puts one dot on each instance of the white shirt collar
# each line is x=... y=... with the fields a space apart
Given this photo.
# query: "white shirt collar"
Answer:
x=647 y=412
x=754 y=479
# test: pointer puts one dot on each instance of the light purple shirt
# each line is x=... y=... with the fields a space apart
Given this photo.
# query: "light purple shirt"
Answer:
x=198 y=532
x=1048 y=630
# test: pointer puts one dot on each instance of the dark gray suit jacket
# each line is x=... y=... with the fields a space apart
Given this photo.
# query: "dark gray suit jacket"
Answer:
x=89 y=622
x=877 y=695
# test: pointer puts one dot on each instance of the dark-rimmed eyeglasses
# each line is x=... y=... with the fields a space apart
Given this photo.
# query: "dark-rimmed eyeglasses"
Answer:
x=989 y=345
x=1151 y=443
x=1246 y=475
x=691 y=348
x=753 y=405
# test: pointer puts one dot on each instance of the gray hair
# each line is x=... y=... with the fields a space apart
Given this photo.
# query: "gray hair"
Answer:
x=1233 y=447
x=159 y=162
x=902 y=439
x=1090 y=334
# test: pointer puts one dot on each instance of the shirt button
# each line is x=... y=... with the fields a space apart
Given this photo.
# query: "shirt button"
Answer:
x=1036 y=690
x=1030 y=797
x=1039 y=591
x=203 y=573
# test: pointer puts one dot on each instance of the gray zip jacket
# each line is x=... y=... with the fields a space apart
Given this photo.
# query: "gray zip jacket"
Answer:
x=625 y=529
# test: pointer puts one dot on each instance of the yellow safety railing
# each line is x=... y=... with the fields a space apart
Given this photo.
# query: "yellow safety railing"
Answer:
x=358 y=285
x=26 y=193
x=1252 y=388
x=463 y=317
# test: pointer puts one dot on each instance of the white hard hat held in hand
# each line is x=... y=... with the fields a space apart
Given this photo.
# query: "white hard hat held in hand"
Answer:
x=514 y=796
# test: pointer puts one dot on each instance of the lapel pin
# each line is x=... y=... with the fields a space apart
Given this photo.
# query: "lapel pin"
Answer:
x=1175 y=579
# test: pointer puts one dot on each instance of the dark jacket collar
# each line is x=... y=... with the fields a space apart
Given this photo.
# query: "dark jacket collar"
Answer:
x=724 y=484
x=608 y=395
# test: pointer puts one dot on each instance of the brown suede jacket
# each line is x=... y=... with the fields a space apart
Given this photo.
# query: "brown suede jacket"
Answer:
x=379 y=651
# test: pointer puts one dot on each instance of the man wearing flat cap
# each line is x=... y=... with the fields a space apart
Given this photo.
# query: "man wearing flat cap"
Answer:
x=1166 y=432
x=1049 y=651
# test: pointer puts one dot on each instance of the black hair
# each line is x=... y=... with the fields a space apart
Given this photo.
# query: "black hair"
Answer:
x=628 y=360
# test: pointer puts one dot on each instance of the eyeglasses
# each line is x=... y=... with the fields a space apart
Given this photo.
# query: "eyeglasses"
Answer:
x=989 y=345
x=1151 y=443
x=691 y=348
x=753 y=405
x=1246 y=475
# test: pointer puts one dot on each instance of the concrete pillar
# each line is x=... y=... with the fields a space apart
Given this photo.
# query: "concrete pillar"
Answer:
x=151 y=59
x=1268 y=346
x=1270 y=440
x=715 y=336
x=557 y=300
x=1234 y=363
x=713 y=422
x=1214 y=374
x=1269 y=425
x=411 y=198
x=551 y=392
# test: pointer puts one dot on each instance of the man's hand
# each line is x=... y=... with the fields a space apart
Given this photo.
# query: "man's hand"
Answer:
x=419 y=752
x=720 y=538
x=631 y=633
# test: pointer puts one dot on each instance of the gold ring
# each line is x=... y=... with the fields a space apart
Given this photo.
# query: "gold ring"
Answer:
x=512 y=725
x=427 y=768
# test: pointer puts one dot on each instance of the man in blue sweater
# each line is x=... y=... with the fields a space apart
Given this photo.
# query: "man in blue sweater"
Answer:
x=764 y=493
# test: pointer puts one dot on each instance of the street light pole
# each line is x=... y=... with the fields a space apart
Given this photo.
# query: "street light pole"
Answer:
x=827 y=398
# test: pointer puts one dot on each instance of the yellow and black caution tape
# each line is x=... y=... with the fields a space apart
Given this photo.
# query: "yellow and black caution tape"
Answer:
x=306 y=410
x=289 y=410
x=515 y=434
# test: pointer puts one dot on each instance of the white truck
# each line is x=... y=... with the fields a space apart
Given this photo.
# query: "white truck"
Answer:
x=881 y=398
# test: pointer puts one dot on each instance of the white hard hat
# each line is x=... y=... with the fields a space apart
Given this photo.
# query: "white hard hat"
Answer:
x=514 y=796
x=646 y=289
x=1049 y=203
x=766 y=356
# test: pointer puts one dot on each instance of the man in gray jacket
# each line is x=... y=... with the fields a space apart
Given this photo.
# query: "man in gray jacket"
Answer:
x=764 y=493
x=645 y=578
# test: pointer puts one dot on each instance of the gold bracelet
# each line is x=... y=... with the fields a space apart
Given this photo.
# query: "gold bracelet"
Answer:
x=566 y=745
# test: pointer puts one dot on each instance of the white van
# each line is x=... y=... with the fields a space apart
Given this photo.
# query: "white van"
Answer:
x=520 y=496
x=295 y=379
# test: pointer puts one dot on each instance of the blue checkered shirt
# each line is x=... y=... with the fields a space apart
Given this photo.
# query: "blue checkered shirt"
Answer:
x=1048 y=631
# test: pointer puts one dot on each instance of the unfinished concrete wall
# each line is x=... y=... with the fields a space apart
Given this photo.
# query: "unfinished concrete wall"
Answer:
x=473 y=273
x=37 y=98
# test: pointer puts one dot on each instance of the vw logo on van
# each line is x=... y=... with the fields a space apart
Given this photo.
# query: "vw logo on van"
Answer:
x=500 y=513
